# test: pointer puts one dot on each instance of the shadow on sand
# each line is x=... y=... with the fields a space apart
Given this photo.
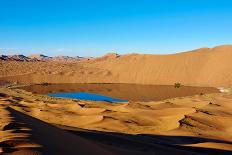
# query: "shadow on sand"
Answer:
x=150 y=144
x=87 y=142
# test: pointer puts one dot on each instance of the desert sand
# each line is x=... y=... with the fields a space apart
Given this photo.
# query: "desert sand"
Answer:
x=199 y=124
x=25 y=135
x=188 y=125
x=201 y=67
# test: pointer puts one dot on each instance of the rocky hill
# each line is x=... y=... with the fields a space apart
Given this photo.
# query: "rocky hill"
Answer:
x=40 y=57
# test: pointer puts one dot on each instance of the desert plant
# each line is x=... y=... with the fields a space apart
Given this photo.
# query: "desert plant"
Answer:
x=45 y=84
x=177 y=85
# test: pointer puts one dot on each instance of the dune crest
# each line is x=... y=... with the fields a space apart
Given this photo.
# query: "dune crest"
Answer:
x=204 y=67
x=193 y=122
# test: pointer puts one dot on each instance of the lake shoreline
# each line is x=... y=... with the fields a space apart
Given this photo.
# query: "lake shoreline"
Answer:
x=131 y=92
x=172 y=119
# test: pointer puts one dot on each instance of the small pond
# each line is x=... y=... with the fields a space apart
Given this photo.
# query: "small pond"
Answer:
x=87 y=96
x=118 y=92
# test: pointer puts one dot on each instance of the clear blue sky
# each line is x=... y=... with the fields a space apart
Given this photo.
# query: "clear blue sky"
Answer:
x=95 y=27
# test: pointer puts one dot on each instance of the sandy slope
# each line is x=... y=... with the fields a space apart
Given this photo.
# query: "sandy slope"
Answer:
x=22 y=135
x=184 y=125
x=180 y=124
x=206 y=66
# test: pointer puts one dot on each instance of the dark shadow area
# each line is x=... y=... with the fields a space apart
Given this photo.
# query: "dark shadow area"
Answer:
x=3 y=95
x=85 y=142
x=51 y=140
x=17 y=128
x=149 y=143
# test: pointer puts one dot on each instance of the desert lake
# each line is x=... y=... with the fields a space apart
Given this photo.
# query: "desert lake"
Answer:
x=118 y=92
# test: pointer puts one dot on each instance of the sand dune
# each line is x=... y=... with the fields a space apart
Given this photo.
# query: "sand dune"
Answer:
x=180 y=124
x=45 y=139
x=200 y=124
x=205 y=67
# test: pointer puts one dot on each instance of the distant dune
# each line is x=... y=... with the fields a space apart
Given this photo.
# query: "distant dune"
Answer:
x=38 y=124
x=202 y=67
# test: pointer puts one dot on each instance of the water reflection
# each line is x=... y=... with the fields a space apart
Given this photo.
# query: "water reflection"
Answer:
x=87 y=96
x=132 y=92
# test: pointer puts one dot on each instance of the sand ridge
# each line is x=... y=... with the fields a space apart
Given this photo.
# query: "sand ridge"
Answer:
x=204 y=67
x=200 y=124
x=21 y=134
x=208 y=122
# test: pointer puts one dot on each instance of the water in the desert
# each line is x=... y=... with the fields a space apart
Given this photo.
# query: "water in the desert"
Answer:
x=118 y=92
x=87 y=96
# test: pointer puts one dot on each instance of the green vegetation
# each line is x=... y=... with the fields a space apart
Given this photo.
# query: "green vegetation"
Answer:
x=177 y=85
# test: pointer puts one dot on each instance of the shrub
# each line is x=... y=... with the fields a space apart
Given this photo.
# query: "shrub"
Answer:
x=177 y=85
x=45 y=84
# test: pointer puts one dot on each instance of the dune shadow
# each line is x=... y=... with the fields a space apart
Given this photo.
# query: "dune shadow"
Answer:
x=150 y=143
x=117 y=143
x=3 y=95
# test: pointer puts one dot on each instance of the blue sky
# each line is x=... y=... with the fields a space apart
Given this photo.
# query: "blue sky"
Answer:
x=95 y=27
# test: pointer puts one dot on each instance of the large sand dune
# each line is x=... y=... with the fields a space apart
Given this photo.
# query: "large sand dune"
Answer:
x=199 y=124
x=205 y=67
x=38 y=124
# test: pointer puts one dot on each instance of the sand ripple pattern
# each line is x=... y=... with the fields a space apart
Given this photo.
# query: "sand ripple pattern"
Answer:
x=15 y=135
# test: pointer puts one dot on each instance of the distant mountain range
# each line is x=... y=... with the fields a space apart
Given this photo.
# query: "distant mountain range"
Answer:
x=41 y=57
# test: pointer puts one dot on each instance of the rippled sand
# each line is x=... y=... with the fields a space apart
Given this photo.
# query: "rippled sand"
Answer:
x=186 y=125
